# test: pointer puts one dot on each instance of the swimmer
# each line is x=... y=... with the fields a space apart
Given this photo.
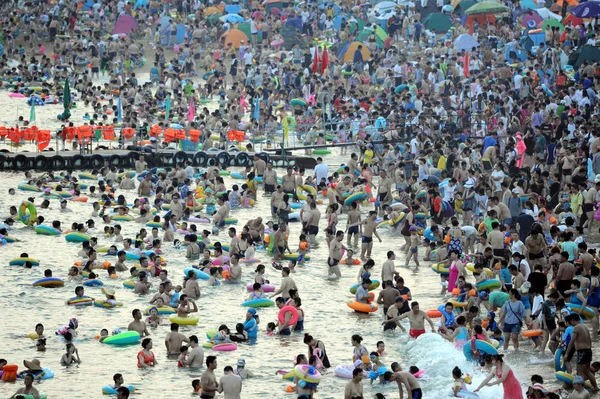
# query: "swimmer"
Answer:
x=208 y=380
x=28 y=389
x=416 y=318
x=413 y=388
x=71 y=356
x=137 y=324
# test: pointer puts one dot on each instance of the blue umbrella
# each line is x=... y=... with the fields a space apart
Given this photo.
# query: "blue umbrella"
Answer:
x=231 y=18
x=589 y=9
x=465 y=42
x=529 y=4
x=233 y=9
x=337 y=21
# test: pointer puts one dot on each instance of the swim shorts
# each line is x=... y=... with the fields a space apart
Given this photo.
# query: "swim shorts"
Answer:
x=416 y=333
x=584 y=356
x=313 y=230
x=332 y=262
x=414 y=250
x=416 y=394
x=367 y=240
x=204 y=396
x=303 y=396
x=511 y=328
x=353 y=230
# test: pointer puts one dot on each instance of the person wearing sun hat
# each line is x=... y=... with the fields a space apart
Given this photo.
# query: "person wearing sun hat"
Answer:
x=110 y=297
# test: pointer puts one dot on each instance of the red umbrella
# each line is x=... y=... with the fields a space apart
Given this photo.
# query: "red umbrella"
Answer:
x=534 y=17
x=275 y=11
x=324 y=60
x=573 y=19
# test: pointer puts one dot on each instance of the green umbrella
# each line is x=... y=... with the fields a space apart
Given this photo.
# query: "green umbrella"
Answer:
x=66 y=101
x=553 y=23
x=437 y=22
x=32 y=112
x=486 y=7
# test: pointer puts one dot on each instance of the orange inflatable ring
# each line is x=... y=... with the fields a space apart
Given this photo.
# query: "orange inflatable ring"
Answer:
x=434 y=313
x=293 y=320
x=456 y=291
x=532 y=333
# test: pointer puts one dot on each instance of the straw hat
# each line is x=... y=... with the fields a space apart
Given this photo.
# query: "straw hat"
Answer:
x=108 y=291
x=33 y=365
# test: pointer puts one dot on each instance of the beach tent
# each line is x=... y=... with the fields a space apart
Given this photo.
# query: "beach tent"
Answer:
x=234 y=37
x=531 y=20
x=165 y=33
x=437 y=22
x=379 y=33
x=296 y=21
x=90 y=3
x=124 y=25
x=351 y=49
x=532 y=39
x=291 y=33
x=463 y=6
x=585 y=53
x=514 y=54
x=481 y=19
x=245 y=27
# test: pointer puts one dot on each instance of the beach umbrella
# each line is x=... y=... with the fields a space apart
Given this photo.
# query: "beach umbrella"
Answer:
x=547 y=14
x=191 y=112
x=528 y=5
x=233 y=8
x=337 y=21
x=465 y=42
x=573 y=20
x=589 y=9
x=210 y=11
x=271 y=4
x=66 y=101
x=32 y=112
x=569 y=2
x=234 y=38
x=487 y=7
x=124 y=25
x=437 y=22
x=531 y=20
x=232 y=18
x=552 y=23
x=351 y=49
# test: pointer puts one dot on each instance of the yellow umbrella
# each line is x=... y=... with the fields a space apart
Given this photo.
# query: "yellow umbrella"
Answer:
x=211 y=11
x=455 y=3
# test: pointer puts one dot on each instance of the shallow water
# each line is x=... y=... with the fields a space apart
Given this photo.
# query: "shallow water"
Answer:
x=327 y=317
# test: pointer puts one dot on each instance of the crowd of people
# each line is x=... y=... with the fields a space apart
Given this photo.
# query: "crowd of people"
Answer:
x=484 y=158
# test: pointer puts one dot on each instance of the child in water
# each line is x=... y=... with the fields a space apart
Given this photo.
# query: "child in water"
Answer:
x=271 y=327
x=460 y=382
x=182 y=356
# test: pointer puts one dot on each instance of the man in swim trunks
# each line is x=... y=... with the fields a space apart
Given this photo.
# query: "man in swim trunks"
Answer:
x=174 y=340
x=416 y=318
x=314 y=216
x=408 y=380
x=137 y=324
x=288 y=183
x=184 y=306
x=368 y=232
x=208 y=381
x=582 y=341
x=335 y=254
x=281 y=243
x=354 y=220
